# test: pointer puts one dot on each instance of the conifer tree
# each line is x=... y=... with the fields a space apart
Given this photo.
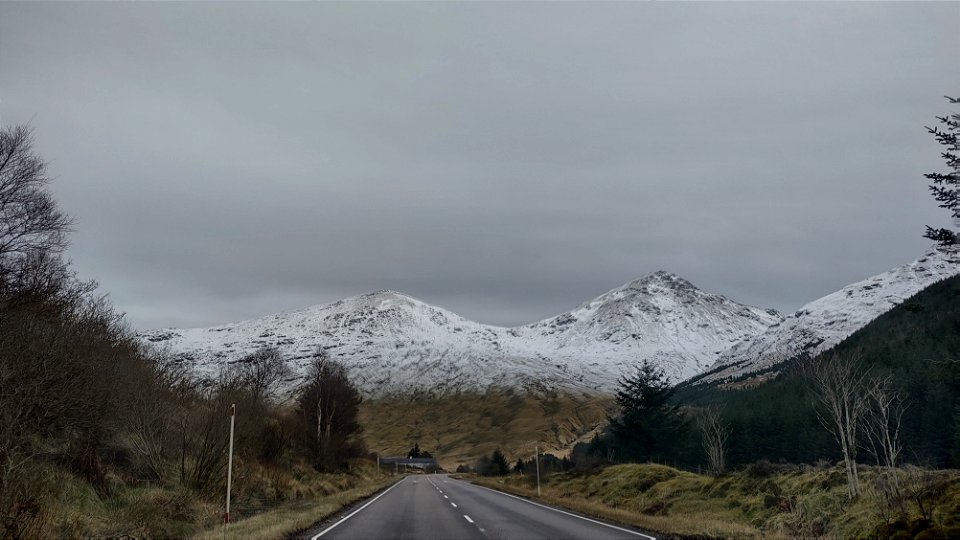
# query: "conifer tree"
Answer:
x=648 y=426
x=945 y=186
x=499 y=463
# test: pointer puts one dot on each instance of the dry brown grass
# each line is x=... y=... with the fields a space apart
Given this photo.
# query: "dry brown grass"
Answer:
x=268 y=502
x=296 y=516
x=779 y=502
x=632 y=494
x=460 y=428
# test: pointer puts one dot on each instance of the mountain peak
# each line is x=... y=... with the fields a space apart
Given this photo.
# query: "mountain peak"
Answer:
x=394 y=343
x=381 y=299
x=660 y=278
x=385 y=293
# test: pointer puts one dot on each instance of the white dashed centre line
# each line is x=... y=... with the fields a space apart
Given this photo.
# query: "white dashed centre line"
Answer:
x=445 y=497
x=453 y=504
x=466 y=517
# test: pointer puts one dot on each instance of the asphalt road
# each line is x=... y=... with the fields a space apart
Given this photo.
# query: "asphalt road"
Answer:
x=439 y=507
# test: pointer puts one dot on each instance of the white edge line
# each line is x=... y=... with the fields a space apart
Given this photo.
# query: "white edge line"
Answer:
x=568 y=513
x=371 y=501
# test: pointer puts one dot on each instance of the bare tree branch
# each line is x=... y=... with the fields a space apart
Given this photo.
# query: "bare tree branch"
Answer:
x=840 y=382
x=714 y=432
x=31 y=223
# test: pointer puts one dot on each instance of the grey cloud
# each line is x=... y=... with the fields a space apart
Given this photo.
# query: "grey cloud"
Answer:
x=506 y=161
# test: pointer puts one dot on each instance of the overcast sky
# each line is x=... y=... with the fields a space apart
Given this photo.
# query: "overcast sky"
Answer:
x=505 y=161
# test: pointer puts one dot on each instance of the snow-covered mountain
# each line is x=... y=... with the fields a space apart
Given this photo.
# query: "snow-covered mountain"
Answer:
x=661 y=317
x=824 y=323
x=392 y=343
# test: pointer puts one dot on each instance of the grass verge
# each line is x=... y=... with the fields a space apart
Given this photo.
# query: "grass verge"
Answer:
x=268 y=502
x=761 y=501
x=298 y=516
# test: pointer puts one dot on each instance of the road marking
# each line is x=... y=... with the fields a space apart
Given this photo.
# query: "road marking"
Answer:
x=445 y=497
x=466 y=517
x=568 y=513
x=453 y=504
x=355 y=512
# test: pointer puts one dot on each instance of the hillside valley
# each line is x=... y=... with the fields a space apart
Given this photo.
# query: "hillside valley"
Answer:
x=464 y=270
x=462 y=389
x=457 y=429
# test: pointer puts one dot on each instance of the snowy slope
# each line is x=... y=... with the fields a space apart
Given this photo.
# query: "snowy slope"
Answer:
x=823 y=323
x=661 y=317
x=394 y=343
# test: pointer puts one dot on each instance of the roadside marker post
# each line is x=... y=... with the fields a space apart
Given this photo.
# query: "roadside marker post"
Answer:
x=233 y=415
x=537 y=459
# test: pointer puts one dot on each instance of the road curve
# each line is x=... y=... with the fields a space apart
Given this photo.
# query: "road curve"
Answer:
x=437 y=507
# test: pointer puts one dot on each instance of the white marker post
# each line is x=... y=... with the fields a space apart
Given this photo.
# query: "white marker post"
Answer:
x=233 y=414
x=537 y=459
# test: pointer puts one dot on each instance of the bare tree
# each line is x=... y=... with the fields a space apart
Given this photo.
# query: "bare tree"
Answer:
x=715 y=434
x=329 y=404
x=31 y=223
x=150 y=414
x=883 y=421
x=203 y=440
x=262 y=370
x=840 y=382
x=61 y=348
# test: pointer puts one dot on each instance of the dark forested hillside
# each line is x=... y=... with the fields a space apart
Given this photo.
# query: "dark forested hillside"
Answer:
x=917 y=344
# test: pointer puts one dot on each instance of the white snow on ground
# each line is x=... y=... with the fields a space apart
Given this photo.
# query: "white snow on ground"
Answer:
x=394 y=343
x=824 y=323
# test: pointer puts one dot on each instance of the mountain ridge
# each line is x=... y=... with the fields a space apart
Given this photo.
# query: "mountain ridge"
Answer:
x=825 y=322
x=394 y=342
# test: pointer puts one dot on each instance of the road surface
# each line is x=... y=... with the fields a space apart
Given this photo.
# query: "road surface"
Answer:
x=438 y=507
